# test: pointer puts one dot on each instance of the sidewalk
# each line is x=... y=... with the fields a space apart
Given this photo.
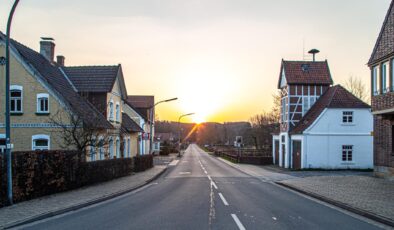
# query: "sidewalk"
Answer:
x=55 y=204
x=358 y=192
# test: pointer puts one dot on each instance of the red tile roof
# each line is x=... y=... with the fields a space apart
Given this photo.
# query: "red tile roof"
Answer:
x=334 y=97
x=384 y=46
x=305 y=72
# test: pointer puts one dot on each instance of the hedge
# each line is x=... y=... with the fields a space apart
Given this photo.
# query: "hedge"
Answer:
x=40 y=173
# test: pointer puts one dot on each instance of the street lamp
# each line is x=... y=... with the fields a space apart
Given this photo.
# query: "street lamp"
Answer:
x=152 y=108
x=7 y=105
x=179 y=131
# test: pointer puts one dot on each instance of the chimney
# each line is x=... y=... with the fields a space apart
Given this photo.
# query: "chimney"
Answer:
x=60 y=60
x=47 y=48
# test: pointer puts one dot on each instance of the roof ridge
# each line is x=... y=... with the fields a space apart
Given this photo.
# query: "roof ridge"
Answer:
x=85 y=66
x=303 y=61
x=332 y=96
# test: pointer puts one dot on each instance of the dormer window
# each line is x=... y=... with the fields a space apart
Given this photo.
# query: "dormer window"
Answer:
x=43 y=103
x=111 y=110
x=16 y=99
x=385 y=79
x=305 y=67
x=117 y=112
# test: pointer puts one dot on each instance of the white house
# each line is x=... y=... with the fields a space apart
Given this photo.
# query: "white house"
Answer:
x=322 y=126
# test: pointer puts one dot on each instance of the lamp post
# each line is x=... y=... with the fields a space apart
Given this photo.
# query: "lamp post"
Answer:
x=179 y=131
x=152 y=109
x=7 y=105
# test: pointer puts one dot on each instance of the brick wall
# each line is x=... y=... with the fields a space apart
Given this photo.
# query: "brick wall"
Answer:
x=383 y=155
x=383 y=102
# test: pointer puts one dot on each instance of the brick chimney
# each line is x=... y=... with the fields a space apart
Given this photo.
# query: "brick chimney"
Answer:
x=47 y=48
x=60 y=60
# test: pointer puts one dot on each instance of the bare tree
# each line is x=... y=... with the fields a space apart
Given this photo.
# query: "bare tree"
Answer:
x=275 y=111
x=77 y=134
x=263 y=125
x=357 y=88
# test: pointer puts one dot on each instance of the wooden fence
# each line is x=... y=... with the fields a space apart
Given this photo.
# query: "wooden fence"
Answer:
x=244 y=155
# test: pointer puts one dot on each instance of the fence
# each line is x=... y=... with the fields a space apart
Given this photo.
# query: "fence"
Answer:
x=244 y=155
x=40 y=173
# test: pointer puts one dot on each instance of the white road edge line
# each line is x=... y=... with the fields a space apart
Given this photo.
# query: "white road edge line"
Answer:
x=238 y=222
x=214 y=185
x=223 y=199
x=173 y=163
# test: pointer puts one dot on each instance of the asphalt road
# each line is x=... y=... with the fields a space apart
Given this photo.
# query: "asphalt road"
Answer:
x=202 y=192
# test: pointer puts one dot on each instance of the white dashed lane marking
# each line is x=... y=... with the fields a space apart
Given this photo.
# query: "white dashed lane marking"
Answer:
x=223 y=199
x=238 y=222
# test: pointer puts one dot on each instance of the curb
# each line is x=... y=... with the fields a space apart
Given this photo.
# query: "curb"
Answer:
x=360 y=212
x=81 y=205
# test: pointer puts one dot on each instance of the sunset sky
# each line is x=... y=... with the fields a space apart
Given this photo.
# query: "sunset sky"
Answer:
x=221 y=58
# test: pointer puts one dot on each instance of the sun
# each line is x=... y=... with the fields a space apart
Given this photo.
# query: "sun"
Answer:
x=198 y=119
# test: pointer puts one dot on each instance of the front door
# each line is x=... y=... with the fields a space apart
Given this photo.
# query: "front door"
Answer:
x=297 y=154
x=276 y=152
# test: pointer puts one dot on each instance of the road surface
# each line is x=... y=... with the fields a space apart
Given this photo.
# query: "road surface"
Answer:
x=202 y=192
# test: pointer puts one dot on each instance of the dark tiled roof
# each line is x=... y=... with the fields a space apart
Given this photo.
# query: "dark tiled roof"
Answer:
x=129 y=125
x=334 y=97
x=384 y=46
x=141 y=101
x=97 y=79
x=306 y=72
x=54 y=77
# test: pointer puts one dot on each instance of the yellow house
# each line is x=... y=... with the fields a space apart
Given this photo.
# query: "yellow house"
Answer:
x=39 y=90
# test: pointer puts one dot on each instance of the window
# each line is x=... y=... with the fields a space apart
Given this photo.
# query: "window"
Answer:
x=375 y=80
x=111 y=148
x=128 y=147
x=16 y=99
x=117 y=112
x=117 y=148
x=347 y=152
x=125 y=147
x=42 y=103
x=347 y=117
x=93 y=150
x=111 y=110
x=385 y=80
x=2 y=143
x=101 y=149
x=392 y=75
x=40 y=142
x=305 y=105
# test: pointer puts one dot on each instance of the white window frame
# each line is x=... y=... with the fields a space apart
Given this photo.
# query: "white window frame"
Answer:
x=346 y=151
x=92 y=150
x=375 y=76
x=19 y=88
x=101 y=149
x=385 y=77
x=392 y=75
x=40 y=137
x=117 y=111
x=128 y=147
x=117 y=146
x=2 y=147
x=347 y=117
x=111 y=148
x=124 y=147
x=111 y=110
x=41 y=96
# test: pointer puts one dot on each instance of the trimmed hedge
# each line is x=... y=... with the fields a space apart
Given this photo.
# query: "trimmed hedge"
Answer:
x=142 y=163
x=40 y=173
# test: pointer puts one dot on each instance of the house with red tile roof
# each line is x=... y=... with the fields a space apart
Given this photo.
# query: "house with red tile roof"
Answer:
x=381 y=64
x=321 y=126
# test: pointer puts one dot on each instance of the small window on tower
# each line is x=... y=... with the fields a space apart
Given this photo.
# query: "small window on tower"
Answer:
x=305 y=67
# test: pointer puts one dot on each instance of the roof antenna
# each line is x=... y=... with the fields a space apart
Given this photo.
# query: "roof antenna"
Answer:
x=314 y=52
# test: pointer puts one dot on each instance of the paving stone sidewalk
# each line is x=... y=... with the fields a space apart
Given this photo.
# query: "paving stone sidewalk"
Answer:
x=48 y=205
x=368 y=195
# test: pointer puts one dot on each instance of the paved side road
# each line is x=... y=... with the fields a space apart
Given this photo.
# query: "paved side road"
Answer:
x=202 y=192
x=66 y=201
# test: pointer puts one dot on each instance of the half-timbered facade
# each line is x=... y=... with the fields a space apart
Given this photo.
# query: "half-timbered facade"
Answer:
x=321 y=126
